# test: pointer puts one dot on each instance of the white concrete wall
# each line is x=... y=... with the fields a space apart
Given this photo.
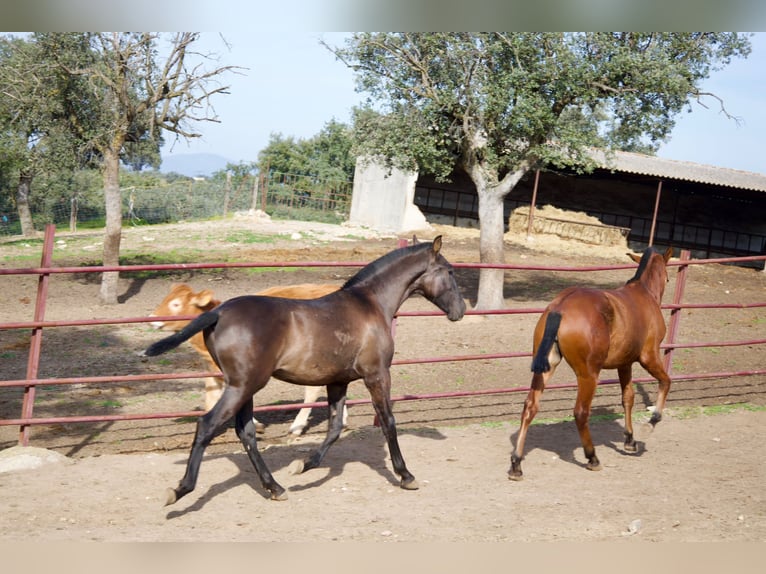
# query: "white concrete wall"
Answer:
x=384 y=201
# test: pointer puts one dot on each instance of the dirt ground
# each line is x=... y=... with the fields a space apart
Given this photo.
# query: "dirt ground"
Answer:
x=697 y=477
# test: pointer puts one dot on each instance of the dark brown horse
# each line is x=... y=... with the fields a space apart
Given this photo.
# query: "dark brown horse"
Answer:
x=595 y=329
x=328 y=341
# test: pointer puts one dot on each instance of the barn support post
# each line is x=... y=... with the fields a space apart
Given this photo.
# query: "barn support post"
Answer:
x=654 y=215
x=530 y=221
x=675 y=313
x=36 y=340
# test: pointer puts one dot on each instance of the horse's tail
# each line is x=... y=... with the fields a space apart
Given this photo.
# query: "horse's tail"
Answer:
x=540 y=362
x=200 y=323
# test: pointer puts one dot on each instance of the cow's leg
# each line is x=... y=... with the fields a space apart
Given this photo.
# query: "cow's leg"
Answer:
x=301 y=420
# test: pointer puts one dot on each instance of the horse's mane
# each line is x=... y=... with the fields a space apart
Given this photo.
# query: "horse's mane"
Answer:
x=643 y=264
x=374 y=268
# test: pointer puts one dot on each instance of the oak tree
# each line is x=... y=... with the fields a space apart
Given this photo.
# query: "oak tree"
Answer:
x=496 y=105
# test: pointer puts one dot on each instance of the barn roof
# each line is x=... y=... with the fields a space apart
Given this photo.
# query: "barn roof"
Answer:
x=684 y=170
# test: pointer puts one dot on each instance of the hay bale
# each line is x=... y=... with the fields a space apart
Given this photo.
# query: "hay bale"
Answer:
x=578 y=226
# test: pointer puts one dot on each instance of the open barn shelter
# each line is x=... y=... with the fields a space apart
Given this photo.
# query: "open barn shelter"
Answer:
x=712 y=211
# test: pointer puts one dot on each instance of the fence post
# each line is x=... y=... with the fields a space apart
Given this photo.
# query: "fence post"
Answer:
x=675 y=313
x=35 y=342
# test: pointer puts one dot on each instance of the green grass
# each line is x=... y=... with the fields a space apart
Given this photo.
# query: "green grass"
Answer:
x=682 y=413
x=712 y=410
x=250 y=237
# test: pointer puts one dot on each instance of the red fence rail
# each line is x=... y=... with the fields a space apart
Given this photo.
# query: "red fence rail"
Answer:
x=38 y=324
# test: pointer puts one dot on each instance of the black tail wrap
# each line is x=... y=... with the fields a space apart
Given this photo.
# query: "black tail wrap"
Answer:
x=540 y=362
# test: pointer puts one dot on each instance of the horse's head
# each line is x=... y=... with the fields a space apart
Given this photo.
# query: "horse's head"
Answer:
x=438 y=285
x=652 y=270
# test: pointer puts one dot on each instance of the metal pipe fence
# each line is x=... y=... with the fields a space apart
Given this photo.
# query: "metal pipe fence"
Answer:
x=39 y=324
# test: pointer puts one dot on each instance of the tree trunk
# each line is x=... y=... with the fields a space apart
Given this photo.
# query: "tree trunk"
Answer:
x=491 y=230
x=113 y=230
x=22 y=204
x=491 y=249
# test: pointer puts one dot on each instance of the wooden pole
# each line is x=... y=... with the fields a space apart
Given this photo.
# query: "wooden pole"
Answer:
x=654 y=216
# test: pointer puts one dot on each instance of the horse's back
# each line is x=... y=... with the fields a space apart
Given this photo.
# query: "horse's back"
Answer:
x=312 y=341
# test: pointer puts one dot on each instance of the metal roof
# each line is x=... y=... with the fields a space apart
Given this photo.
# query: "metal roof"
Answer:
x=684 y=170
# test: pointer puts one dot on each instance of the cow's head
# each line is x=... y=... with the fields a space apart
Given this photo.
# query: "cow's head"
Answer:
x=182 y=300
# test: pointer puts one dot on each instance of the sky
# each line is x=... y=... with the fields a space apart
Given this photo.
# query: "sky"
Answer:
x=293 y=86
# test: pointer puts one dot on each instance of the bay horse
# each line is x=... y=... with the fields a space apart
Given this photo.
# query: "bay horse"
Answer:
x=329 y=341
x=594 y=329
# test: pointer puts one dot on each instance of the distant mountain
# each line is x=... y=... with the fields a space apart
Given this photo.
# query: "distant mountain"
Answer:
x=193 y=164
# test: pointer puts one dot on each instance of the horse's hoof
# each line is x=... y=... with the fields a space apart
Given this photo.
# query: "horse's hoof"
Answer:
x=515 y=475
x=171 y=497
x=296 y=431
x=260 y=428
x=410 y=484
x=279 y=495
x=630 y=447
x=296 y=467
x=596 y=466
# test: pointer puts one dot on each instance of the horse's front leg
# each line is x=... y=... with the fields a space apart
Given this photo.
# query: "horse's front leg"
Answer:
x=336 y=397
x=379 y=386
x=628 y=396
x=654 y=366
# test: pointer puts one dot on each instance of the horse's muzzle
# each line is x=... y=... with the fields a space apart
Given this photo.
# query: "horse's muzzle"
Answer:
x=456 y=312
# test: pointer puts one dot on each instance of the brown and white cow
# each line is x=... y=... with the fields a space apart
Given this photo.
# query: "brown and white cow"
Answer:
x=183 y=301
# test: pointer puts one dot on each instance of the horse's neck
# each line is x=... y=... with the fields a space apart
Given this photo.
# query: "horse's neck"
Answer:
x=392 y=287
x=652 y=281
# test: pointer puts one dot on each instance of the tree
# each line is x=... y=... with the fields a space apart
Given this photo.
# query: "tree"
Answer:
x=326 y=156
x=36 y=119
x=497 y=105
x=135 y=94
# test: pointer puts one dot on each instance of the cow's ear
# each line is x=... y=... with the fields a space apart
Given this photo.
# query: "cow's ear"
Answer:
x=203 y=298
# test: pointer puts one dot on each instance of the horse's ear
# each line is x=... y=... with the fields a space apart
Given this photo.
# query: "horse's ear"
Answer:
x=437 y=244
x=634 y=257
x=668 y=254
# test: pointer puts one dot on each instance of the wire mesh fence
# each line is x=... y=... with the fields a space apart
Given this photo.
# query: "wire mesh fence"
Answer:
x=278 y=194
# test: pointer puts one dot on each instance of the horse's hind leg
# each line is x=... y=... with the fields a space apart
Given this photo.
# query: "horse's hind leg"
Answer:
x=246 y=432
x=531 y=406
x=628 y=395
x=210 y=425
x=586 y=389
x=336 y=396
